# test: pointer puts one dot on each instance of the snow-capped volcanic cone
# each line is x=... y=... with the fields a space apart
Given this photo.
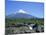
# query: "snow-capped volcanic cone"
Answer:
x=20 y=14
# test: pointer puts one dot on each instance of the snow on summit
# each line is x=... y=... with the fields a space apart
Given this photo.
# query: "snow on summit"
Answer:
x=21 y=11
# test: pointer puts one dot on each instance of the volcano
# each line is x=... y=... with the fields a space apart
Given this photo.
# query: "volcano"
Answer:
x=20 y=14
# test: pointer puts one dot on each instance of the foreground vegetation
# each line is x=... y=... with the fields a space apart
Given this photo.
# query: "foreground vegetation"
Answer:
x=23 y=29
x=39 y=21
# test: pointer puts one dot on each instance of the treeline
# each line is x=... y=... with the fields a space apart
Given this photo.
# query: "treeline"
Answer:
x=9 y=21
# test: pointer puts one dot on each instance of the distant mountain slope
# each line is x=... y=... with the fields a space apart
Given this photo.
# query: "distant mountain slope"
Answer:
x=20 y=15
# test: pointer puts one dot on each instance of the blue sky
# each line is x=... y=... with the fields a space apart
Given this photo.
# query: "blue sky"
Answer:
x=33 y=8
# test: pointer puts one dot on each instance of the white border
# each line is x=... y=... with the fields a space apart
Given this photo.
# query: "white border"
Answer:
x=2 y=18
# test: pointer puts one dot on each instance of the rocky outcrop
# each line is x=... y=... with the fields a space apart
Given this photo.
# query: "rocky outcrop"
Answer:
x=21 y=28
